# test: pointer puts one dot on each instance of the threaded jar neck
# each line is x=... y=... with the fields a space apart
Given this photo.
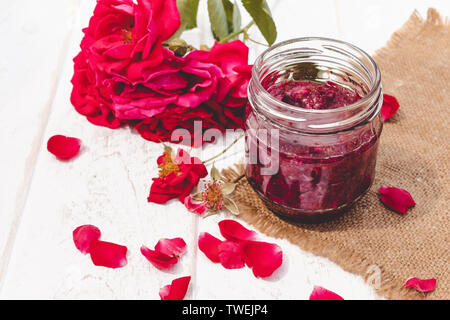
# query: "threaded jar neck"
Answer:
x=321 y=60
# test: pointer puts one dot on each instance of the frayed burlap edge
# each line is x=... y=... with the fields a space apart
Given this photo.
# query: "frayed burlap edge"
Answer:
x=277 y=228
x=415 y=24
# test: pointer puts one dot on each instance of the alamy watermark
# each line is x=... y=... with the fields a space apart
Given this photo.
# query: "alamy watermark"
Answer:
x=261 y=147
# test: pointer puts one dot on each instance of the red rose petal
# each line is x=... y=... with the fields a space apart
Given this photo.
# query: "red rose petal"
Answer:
x=263 y=257
x=108 y=254
x=177 y=184
x=422 y=285
x=230 y=255
x=396 y=199
x=176 y=290
x=63 y=147
x=390 y=107
x=320 y=293
x=209 y=245
x=158 y=259
x=171 y=247
x=234 y=231
x=83 y=237
x=199 y=208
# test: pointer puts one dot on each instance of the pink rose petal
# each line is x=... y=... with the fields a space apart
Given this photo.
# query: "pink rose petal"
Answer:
x=172 y=247
x=63 y=147
x=263 y=257
x=108 y=254
x=209 y=245
x=234 y=231
x=390 y=107
x=158 y=259
x=199 y=208
x=230 y=255
x=84 y=235
x=422 y=285
x=320 y=293
x=396 y=199
x=176 y=290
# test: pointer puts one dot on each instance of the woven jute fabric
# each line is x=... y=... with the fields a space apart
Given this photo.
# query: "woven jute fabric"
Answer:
x=384 y=247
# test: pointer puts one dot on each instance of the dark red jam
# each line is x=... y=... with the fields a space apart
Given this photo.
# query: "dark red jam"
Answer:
x=318 y=176
x=313 y=95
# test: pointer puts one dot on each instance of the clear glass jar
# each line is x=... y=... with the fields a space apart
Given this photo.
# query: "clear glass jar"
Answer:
x=311 y=165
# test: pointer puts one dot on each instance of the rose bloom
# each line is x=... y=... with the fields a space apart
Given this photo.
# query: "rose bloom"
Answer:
x=122 y=39
x=179 y=82
x=124 y=74
x=218 y=98
x=177 y=176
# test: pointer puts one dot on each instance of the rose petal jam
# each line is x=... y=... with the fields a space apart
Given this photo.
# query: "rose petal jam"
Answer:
x=313 y=95
x=313 y=124
x=318 y=175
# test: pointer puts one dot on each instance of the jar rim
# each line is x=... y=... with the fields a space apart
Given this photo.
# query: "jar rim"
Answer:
x=364 y=100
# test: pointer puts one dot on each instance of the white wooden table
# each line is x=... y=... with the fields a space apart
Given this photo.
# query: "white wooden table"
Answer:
x=42 y=199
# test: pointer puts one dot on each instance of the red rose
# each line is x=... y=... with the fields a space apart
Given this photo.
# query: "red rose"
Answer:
x=223 y=110
x=231 y=98
x=232 y=59
x=184 y=82
x=125 y=75
x=87 y=98
x=167 y=125
x=122 y=39
x=177 y=176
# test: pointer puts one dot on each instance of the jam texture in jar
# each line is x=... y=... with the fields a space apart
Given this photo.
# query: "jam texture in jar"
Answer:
x=313 y=125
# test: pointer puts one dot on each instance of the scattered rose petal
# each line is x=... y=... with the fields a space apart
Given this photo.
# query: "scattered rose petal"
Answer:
x=160 y=260
x=230 y=255
x=209 y=245
x=108 y=254
x=84 y=235
x=320 y=293
x=172 y=247
x=234 y=231
x=199 y=208
x=396 y=199
x=422 y=285
x=263 y=257
x=176 y=290
x=63 y=147
x=390 y=107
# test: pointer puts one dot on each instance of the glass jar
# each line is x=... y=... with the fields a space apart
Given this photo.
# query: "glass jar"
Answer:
x=311 y=165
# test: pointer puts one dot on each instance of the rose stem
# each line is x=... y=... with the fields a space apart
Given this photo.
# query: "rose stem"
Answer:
x=226 y=149
x=236 y=33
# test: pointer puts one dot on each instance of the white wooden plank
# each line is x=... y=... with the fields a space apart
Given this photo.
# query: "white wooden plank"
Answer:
x=294 y=280
x=34 y=40
x=106 y=185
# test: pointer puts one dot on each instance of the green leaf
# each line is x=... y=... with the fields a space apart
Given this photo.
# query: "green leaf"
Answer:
x=188 y=15
x=229 y=8
x=260 y=12
x=218 y=18
x=237 y=21
x=233 y=16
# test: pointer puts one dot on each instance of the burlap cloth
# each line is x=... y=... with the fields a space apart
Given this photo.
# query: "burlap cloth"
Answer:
x=414 y=154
